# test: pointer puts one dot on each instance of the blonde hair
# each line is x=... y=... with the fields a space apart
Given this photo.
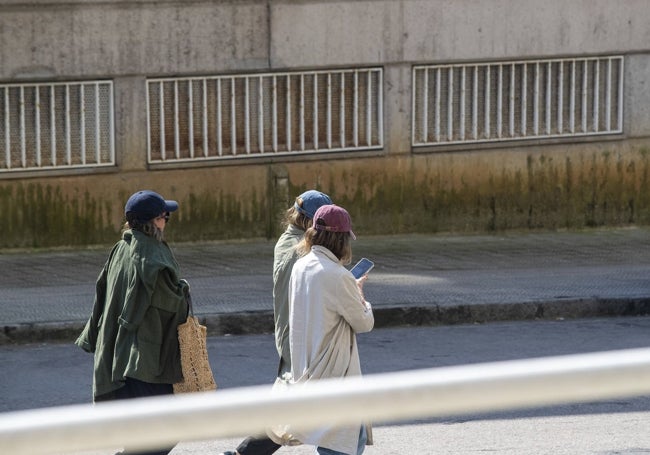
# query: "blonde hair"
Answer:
x=292 y=217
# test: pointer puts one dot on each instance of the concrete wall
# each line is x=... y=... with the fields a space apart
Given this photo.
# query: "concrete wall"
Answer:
x=381 y=32
x=533 y=185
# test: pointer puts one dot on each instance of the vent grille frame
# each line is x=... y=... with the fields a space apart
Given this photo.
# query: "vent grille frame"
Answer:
x=517 y=100
x=255 y=115
x=56 y=125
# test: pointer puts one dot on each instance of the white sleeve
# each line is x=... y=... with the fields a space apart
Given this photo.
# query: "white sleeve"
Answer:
x=352 y=306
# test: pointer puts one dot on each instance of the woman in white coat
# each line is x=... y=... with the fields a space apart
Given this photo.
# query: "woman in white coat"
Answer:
x=326 y=309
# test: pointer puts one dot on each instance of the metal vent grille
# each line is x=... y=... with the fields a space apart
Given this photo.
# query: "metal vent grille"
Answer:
x=254 y=115
x=56 y=125
x=517 y=100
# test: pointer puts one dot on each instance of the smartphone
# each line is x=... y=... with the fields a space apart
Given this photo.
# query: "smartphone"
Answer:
x=362 y=268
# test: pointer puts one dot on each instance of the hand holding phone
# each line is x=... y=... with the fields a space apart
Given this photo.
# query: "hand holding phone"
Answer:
x=362 y=268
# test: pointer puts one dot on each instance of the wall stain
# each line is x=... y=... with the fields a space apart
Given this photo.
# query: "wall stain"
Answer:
x=594 y=190
x=409 y=194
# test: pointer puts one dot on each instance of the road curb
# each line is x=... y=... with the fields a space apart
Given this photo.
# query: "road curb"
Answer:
x=41 y=332
x=485 y=313
x=257 y=322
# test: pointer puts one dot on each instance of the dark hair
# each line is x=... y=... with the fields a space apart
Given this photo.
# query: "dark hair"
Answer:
x=146 y=227
x=339 y=243
x=293 y=217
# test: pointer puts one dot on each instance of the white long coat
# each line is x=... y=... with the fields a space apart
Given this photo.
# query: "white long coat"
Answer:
x=326 y=310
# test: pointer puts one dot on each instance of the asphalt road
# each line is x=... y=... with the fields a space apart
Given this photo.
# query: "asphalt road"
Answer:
x=34 y=376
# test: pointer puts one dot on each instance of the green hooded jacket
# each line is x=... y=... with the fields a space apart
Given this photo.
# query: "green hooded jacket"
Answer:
x=284 y=256
x=139 y=303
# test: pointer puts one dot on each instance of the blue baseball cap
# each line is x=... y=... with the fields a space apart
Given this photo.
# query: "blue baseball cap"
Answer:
x=310 y=201
x=146 y=205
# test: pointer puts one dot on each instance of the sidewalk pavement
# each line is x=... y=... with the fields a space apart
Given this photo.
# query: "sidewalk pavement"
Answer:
x=46 y=296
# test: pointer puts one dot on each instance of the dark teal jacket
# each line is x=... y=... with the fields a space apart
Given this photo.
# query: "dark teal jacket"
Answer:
x=139 y=303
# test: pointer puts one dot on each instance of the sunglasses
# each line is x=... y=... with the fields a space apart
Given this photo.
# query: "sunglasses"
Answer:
x=166 y=216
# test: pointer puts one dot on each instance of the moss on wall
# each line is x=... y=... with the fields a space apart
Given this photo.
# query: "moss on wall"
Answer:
x=37 y=215
x=210 y=215
x=411 y=193
x=40 y=215
x=548 y=191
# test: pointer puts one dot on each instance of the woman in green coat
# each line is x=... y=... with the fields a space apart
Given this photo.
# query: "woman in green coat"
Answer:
x=139 y=303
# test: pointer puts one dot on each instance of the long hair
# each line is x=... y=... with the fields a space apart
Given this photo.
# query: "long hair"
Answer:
x=293 y=217
x=147 y=227
x=339 y=243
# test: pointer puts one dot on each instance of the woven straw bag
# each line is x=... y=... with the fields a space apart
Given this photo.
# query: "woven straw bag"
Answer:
x=197 y=373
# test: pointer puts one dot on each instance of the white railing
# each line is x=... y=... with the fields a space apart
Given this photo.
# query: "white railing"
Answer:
x=58 y=125
x=421 y=393
x=253 y=115
x=517 y=100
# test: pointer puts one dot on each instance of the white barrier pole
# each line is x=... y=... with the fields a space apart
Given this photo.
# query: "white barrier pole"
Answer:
x=150 y=422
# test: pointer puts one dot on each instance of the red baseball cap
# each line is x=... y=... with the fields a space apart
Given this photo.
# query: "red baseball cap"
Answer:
x=334 y=219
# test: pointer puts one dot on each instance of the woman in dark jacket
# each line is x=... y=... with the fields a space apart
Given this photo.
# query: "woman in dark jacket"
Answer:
x=139 y=303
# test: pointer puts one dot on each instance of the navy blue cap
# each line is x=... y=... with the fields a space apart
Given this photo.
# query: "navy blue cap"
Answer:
x=146 y=205
x=310 y=201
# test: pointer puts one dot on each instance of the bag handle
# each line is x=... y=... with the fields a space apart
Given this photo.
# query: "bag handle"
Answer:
x=188 y=300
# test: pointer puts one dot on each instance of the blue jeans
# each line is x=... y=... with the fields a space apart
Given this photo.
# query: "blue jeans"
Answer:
x=363 y=438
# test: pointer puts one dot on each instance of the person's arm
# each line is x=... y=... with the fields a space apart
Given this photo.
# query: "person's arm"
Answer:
x=168 y=293
x=353 y=307
x=87 y=340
